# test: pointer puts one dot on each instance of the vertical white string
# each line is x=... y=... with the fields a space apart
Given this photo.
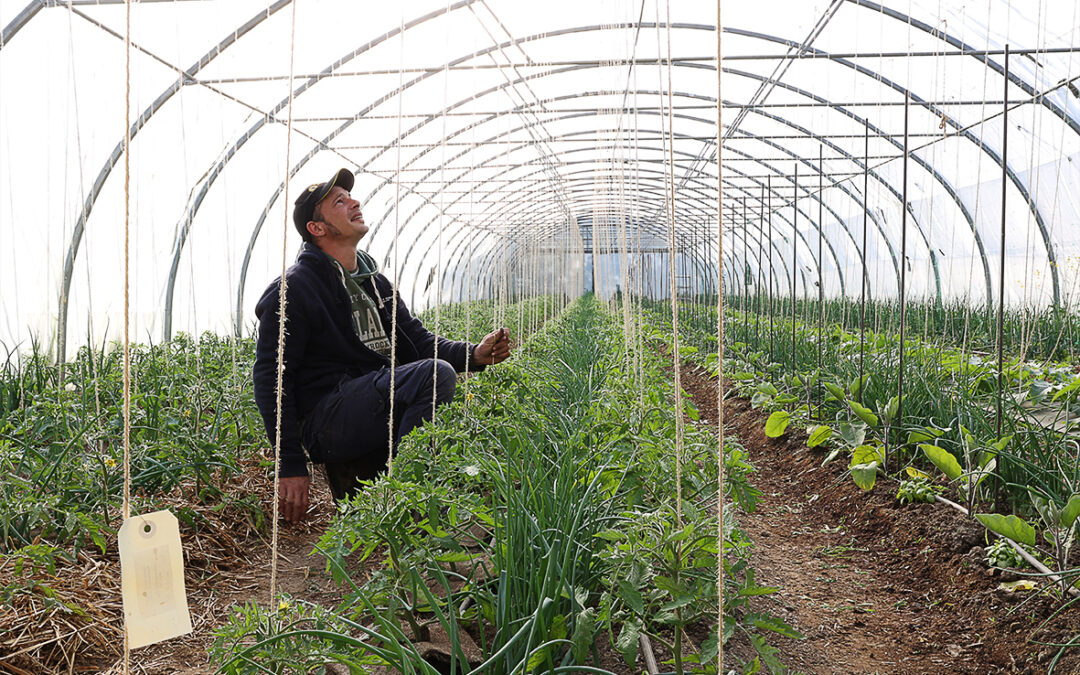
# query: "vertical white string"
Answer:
x=719 y=350
x=394 y=245
x=670 y=195
x=127 y=288
x=282 y=290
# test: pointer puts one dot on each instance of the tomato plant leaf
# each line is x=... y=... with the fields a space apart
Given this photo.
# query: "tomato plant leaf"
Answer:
x=627 y=642
x=584 y=628
x=631 y=596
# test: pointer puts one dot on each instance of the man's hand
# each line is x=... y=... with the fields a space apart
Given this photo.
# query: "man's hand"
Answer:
x=293 y=497
x=494 y=348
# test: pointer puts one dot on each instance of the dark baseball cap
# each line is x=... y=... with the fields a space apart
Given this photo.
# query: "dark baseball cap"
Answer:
x=305 y=204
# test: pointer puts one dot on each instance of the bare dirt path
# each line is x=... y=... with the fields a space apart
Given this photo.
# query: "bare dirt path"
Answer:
x=873 y=586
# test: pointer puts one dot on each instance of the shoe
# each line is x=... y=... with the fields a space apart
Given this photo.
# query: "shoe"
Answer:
x=344 y=477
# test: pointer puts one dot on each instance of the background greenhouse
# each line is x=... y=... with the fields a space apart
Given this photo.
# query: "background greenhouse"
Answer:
x=792 y=287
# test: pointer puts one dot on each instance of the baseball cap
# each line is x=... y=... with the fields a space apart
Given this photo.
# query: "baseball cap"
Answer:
x=304 y=207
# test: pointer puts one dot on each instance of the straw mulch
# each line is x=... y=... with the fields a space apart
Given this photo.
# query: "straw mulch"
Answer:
x=72 y=620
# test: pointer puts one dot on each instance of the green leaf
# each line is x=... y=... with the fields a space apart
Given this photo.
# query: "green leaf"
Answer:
x=454 y=557
x=1001 y=443
x=610 y=535
x=709 y=648
x=537 y=659
x=692 y=412
x=1067 y=390
x=835 y=391
x=1071 y=512
x=767 y=622
x=889 y=414
x=681 y=601
x=942 y=459
x=864 y=454
x=864 y=463
x=632 y=597
x=666 y=584
x=856 y=385
x=915 y=473
x=863 y=413
x=852 y=434
x=627 y=642
x=777 y=424
x=1009 y=526
x=818 y=435
x=584 y=628
x=923 y=435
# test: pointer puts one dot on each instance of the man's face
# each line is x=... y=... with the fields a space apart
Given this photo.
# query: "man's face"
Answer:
x=339 y=216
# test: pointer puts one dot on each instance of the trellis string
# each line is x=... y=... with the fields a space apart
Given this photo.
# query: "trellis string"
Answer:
x=282 y=290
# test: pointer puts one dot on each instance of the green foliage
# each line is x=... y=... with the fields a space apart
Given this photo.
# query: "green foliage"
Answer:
x=865 y=460
x=549 y=505
x=193 y=420
x=1008 y=526
x=942 y=459
x=1001 y=554
x=917 y=489
x=864 y=413
x=777 y=424
x=819 y=435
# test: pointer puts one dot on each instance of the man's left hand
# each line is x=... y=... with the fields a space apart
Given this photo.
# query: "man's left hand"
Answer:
x=494 y=348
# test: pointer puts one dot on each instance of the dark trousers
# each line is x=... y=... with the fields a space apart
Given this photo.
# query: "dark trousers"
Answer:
x=349 y=430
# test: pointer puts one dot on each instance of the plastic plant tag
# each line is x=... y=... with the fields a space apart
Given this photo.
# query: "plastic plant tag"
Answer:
x=152 y=579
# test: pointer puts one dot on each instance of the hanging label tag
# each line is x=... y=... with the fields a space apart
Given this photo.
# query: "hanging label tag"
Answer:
x=152 y=579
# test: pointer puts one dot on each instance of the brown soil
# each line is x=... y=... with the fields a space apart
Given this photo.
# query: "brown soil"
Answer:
x=876 y=587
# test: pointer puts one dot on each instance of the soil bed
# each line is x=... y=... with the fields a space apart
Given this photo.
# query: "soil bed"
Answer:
x=874 y=586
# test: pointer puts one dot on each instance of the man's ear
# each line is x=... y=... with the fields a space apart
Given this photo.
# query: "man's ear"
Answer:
x=315 y=228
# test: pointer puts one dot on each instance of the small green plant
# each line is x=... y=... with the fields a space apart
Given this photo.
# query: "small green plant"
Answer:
x=917 y=488
x=1002 y=554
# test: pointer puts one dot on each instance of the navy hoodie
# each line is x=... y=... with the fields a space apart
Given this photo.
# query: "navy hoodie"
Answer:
x=321 y=347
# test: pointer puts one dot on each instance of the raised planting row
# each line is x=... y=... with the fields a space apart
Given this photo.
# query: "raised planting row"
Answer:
x=532 y=528
x=1023 y=484
x=198 y=448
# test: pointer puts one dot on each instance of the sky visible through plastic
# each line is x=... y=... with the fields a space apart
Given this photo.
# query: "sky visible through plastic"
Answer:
x=519 y=147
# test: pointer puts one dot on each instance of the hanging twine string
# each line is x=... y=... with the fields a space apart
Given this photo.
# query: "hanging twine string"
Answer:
x=439 y=245
x=670 y=194
x=127 y=288
x=282 y=290
x=719 y=354
x=397 y=226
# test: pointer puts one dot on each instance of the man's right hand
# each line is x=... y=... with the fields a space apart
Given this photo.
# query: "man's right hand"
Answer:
x=293 y=497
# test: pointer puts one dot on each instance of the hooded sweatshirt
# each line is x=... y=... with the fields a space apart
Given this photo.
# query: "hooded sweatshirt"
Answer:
x=322 y=346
